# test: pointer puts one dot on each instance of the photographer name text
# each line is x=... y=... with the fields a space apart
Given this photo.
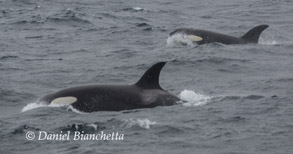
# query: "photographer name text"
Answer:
x=75 y=136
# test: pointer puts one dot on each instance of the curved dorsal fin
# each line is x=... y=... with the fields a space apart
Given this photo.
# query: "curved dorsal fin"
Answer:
x=253 y=34
x=150 y=79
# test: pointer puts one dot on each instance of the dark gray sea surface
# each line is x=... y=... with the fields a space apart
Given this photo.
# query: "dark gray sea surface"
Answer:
x=239 y=98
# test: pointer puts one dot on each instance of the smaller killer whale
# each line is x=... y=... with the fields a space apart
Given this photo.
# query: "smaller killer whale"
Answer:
x=146 y=93
x=202 y=36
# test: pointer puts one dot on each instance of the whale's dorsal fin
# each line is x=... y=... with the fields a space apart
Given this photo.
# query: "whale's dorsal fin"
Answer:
x=150 y=79
x=252 y=35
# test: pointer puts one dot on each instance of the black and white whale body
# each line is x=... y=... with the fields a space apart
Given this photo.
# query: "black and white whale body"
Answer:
x=202 y=36
x=146 y=93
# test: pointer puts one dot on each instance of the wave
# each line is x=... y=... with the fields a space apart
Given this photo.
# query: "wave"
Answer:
x=31 y=106
x=268 y=41
x=66 y=17
x=244 y=97
x=141 y=123
x=134 y=9
x=275 y=41
x=145 y=26
x=36 y=105
x=221 y=60
x=91 y=127
x=110 y=124
x=8 y=57
x=22 y=128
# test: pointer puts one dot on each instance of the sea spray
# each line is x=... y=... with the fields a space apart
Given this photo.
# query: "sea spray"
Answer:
x=191 y=98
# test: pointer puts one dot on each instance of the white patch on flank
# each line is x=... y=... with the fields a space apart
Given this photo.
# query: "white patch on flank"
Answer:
x=61 y=101
x=193 y=99
x=195 y=38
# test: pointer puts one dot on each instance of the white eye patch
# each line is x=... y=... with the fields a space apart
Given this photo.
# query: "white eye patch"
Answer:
x=64 y=100
x=195 y=38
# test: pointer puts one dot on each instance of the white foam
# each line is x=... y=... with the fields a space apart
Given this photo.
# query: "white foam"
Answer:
x=36 y=105
x=191 y=98
x=31 y=106
x=70 y=108
x=179 y=38
x=95 y=126
x=143 y=123
x=138 y=9
x=268 y=42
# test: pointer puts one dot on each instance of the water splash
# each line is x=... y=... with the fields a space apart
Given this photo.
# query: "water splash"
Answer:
x=71 y=108
x=143 y=123
x=31 y=106
x=191 y=98
x=134 y=9
x=36 y=105
x=268 y=41
x=138 y=9
x=94 y=126
x=179 y=38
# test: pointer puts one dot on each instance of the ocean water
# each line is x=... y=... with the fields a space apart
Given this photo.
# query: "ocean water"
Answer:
x=239 y=98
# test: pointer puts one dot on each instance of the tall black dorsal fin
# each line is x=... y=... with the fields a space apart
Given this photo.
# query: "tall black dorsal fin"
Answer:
x=150 y=79
x=252 y=35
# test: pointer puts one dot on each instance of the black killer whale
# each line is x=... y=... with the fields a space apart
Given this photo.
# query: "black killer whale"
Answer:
x=203 y=36
x=146 y=93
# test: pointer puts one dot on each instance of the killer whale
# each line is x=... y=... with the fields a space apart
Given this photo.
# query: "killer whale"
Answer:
x=146 y=93
x=203 y=36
